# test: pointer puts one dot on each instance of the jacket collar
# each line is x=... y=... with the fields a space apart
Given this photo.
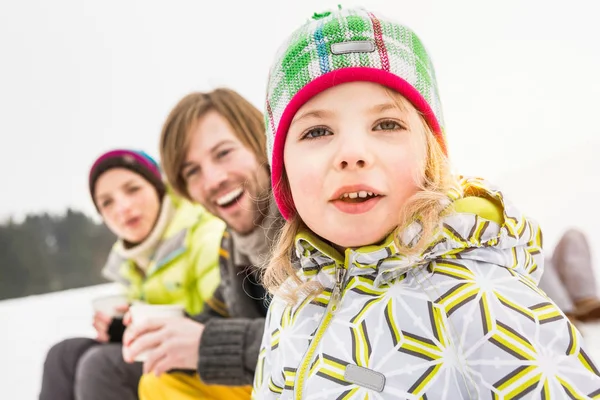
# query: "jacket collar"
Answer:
x=463 y=235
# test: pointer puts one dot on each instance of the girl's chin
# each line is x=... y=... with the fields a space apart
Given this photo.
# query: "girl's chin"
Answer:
x=356 y=241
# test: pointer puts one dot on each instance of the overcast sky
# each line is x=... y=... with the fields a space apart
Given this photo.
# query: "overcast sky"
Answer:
x=518 y=79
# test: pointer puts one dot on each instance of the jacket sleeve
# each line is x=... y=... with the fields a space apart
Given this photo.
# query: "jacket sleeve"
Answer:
x=229 y=349
x=514 y=341
x=205 y=243
x=229 y=346
x=265 y=385
x=214 y=307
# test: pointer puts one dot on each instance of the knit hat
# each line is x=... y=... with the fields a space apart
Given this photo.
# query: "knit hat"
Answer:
x=133 y=160
x=341 y=46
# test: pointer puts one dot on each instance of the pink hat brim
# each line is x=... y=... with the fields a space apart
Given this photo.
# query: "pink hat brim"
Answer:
x=322 y=83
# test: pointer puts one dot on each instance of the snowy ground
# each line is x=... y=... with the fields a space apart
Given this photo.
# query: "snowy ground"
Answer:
x=24 y=343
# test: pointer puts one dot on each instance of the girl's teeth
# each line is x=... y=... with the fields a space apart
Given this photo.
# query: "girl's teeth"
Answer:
x=362 y=194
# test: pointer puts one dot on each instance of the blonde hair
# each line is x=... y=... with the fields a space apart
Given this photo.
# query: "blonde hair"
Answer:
x=245 y=120
x=433 y=178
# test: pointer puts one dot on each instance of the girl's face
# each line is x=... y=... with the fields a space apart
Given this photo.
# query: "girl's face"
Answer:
x=352 y=157
x=128 y=204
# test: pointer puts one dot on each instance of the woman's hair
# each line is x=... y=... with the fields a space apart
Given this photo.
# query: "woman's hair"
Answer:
x=245 y=120
x=433 y=178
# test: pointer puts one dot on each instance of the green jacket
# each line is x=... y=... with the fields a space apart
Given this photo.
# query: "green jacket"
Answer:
x=184 y=269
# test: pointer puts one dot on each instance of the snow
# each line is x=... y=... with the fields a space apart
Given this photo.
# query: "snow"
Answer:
x=560 y=191
x=31 y=325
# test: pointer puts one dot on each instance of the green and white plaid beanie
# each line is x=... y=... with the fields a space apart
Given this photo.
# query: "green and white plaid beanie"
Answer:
x=341 y=46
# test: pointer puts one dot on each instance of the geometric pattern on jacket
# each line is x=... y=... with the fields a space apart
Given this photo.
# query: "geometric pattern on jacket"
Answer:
x=463 y=320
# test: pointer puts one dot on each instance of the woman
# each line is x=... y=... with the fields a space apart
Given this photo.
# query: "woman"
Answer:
x=166 y=253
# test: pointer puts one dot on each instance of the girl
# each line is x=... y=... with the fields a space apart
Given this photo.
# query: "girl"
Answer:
x=410 y=283
x=166 y=253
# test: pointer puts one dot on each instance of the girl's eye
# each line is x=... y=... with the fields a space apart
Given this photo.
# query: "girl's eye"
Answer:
x=316 y=133
x=133 y=189
x=388 y=126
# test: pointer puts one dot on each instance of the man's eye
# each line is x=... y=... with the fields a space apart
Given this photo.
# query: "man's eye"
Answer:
x=188 y=173
x=223 y=153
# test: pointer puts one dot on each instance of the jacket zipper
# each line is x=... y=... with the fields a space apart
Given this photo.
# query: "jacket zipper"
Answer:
x=332 y=308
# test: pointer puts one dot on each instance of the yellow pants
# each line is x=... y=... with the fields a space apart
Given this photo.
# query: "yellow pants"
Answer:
x=178 y=386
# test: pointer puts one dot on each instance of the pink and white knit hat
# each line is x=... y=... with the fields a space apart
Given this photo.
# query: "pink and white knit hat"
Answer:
x=341 y=46
x=134 y=160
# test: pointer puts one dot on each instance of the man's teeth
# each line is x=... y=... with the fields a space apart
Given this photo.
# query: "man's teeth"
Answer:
x=362 y=194
x=229 y=197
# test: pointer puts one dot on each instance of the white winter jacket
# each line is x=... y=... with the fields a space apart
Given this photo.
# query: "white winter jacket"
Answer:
x=463 y=320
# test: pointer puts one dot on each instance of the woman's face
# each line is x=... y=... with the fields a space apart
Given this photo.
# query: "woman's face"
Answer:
x=128 y=203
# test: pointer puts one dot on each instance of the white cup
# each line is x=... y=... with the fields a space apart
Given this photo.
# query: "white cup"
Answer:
x=141 y=312
x=108 y=305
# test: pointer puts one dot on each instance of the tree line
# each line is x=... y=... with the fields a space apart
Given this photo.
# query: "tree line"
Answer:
x=47 y=253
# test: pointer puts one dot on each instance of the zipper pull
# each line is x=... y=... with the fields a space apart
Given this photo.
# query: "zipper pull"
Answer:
x=336 y=294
